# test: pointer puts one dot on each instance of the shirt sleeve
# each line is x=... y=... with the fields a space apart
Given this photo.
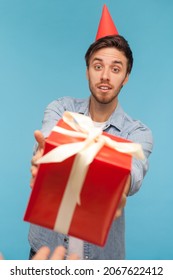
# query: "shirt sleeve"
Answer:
x=52 y=115
x=143 y=136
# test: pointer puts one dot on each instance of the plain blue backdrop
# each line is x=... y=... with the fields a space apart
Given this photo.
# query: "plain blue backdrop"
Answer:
x=42 y=47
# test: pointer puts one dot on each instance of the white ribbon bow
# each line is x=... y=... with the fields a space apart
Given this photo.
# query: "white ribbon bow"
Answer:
x=84 y=128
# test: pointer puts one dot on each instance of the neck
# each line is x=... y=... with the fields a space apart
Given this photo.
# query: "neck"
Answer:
x=101 y=112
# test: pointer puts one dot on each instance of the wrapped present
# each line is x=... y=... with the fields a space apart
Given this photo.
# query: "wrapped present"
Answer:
x=80 y=179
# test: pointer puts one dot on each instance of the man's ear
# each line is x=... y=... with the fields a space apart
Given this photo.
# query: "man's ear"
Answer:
x=126 y=79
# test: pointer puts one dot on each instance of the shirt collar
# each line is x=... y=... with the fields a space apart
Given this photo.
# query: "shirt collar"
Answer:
x=116 y=119
x=84 y=108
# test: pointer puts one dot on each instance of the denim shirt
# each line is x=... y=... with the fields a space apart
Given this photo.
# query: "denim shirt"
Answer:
x=119 y=124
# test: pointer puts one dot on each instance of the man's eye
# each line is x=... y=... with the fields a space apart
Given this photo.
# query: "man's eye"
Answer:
x=98 y=67
x=115 y=69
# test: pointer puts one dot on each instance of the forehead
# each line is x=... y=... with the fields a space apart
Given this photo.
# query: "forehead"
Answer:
x=109 y=55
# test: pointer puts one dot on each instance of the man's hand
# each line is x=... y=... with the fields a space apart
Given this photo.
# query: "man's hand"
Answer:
x=121 y=206
x=58 y=254
x=44 y=254
x=41 y=143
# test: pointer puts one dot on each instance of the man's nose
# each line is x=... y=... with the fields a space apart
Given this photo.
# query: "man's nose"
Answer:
x=105 y=75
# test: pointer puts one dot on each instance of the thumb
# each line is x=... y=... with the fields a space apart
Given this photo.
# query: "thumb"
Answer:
x=39 y=138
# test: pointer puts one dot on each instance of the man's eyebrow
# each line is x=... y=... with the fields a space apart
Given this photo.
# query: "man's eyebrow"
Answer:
x=117 y=62
x=97 y=58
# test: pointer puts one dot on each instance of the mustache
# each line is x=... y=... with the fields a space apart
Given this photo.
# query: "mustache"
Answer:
x=104 y=84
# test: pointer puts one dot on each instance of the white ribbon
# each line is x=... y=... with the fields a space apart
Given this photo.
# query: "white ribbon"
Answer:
x=85 y=152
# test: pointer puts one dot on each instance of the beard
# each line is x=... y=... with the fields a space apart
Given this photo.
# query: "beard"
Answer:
x=104 y=98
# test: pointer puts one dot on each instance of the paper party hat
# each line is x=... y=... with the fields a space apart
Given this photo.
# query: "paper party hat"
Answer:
x=106 y=25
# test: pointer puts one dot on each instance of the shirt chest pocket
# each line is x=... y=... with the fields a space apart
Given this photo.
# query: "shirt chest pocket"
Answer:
x=114 y=131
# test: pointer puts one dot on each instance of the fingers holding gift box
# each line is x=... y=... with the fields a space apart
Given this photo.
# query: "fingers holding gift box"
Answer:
x=38 y=154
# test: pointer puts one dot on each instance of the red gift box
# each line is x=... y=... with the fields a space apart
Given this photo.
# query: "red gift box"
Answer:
x=100 y=195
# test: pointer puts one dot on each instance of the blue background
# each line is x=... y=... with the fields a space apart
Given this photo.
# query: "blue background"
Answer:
x=42 y=47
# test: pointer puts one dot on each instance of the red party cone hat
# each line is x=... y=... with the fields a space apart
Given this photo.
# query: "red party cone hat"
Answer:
x=106 y=25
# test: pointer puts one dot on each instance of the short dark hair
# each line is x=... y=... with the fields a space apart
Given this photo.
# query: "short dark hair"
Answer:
x=115 y=41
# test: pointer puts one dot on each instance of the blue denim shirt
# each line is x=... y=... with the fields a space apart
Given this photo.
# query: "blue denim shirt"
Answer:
x=119 y=124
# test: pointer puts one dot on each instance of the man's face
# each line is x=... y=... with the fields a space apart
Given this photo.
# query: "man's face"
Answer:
x=107 y=73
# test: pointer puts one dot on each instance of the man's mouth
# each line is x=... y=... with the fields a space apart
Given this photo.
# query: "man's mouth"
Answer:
x=104 y=87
